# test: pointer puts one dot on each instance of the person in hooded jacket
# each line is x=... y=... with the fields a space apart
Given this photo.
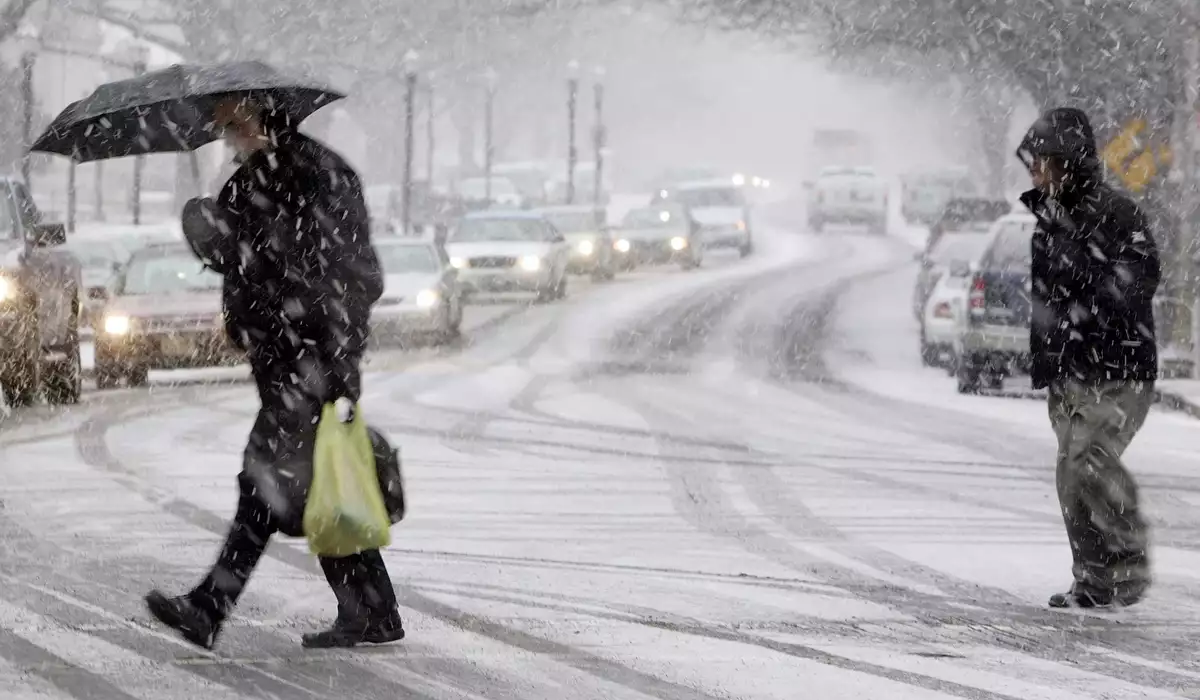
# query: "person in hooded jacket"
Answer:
x=289 y=233
x=1095 y=271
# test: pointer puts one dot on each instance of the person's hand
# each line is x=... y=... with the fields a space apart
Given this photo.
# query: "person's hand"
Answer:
x=345 y=409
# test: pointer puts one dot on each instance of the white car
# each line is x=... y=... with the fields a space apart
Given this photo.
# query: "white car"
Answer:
x=945 y=312
x=504 y=194
x=856 y=196
x=510 y=252
x=421 y=293
x=720 y=209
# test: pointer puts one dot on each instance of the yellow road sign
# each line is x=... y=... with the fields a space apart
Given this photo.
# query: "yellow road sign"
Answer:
x=1132 y=157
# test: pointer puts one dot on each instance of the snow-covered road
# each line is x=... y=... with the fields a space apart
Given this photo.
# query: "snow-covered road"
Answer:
x=733 y=483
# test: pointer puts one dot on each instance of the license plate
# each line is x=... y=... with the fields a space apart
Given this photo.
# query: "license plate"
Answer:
x=178 y=346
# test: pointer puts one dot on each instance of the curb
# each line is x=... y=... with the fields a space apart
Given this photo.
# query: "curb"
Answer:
x=1177 y=402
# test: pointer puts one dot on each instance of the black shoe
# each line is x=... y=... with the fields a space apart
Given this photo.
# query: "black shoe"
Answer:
x=182 y=615
x=1082 y=597
x=347 y=633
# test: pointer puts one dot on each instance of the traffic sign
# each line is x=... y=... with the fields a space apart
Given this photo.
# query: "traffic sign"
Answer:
x=1132 y=157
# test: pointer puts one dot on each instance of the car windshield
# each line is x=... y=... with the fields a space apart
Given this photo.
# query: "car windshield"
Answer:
x=965 y=248
x=711 y=197
x=476 y=187
x=572 y=222
x=651 y=218
x=400 y=259
x=959 y=212
x=1012 y=247
x=96 y=254
x=169 y=273
x=474 y=230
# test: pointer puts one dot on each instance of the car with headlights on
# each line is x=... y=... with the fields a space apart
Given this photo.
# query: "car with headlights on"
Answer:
x=165 y=313
x=498 y=252
x=590 y=240
x=40 y=305
x=720 y=209
x=421 y=293
x=664 y=234
x=100 y=261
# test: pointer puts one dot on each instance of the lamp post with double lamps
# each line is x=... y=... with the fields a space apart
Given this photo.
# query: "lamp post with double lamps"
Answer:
x=410 y=97
x=489 y=125
x=572 y=151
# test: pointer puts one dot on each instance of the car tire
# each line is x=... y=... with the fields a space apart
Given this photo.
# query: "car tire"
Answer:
x=20 y=371
x=64 y=382
x=747 y=250
x=139 y=376
x=560 y=289
x=967 y=376
x=929 y=354
x=107 y=377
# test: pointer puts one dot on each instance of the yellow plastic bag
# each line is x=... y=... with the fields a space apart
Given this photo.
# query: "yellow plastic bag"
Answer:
x=345 y=513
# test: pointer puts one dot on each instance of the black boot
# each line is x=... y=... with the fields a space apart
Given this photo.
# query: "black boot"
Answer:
x=1081 y=596
x=352 y=631
x=197 y=625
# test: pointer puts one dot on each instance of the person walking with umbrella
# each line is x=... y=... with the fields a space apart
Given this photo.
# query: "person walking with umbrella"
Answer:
x=1095 y=270
x=289 y=232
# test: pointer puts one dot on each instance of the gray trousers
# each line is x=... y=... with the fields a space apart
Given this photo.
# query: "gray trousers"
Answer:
x=1099 y=498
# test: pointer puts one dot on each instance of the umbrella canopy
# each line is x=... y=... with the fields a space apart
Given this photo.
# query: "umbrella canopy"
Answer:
x=170 y=110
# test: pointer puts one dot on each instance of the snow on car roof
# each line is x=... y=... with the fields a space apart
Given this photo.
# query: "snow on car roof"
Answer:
x=503 y=215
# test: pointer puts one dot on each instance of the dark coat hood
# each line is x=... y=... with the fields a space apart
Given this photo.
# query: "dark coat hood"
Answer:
x=1064 y=133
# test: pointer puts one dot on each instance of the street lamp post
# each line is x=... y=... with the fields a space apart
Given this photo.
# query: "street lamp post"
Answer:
x=429 y=130
x=139 y=161
x=30 y=42
x=489 y=148
x=572 y=152
x=598 y=140
x=410 y=95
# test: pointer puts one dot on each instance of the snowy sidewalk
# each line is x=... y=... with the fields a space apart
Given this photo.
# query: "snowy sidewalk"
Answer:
x=1180 y=395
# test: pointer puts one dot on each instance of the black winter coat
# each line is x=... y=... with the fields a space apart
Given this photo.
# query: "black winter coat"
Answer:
x=289 y=232
x=1094 y=275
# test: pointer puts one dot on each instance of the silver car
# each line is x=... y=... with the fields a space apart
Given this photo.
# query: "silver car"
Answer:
x=165 y=313
x=510 y=252
x=591 y=243
x=421 y=293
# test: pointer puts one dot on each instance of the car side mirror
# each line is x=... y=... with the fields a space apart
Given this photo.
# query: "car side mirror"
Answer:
x=960 y=268
x=116 y=267
x=47 y=235
x=559 y=238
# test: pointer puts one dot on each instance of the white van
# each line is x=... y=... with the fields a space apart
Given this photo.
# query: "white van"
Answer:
x=843 y=195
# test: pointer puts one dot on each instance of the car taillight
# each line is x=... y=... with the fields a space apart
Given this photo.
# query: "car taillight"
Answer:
x=976 y=299
x=942 y=310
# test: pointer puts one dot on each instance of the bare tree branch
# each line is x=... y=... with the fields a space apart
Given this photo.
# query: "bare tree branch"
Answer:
x=11 y=16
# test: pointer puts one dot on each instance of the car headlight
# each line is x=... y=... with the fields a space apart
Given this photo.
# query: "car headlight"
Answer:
x=531 y=263
x=739 y=180
x=8 y=289
x=621 y=245
x=427 y=298
x=116 y=325
x=586 y=247
x=458 y=263
x=678 y=243
x=741 y=225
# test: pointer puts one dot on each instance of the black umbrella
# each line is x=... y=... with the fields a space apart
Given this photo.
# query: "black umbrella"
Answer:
x=170 y=110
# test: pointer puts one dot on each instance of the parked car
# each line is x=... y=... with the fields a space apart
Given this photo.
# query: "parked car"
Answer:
x=720 y=209
x=843 y=195
x=924 y=196
x=474 y=191
x=661 y=234
x=590 y=240
x=967 y=214
x=497 y=251
x=944 y=310
x=165 y=313
x=995 y=341
x=40 y=304
x=421 y=294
